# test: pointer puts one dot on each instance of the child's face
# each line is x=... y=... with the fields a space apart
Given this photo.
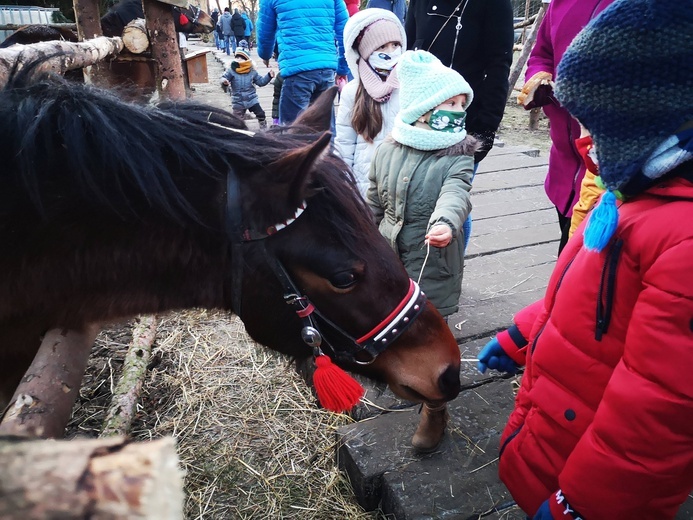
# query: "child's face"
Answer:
x=389 y=47
x=454 y=104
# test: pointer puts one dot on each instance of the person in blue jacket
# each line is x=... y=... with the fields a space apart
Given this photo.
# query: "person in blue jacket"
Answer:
x=309 y=35
x=398 y=7
x=248 y=28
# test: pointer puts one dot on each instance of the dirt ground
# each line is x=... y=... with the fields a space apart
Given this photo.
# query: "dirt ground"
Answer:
x=514 y=129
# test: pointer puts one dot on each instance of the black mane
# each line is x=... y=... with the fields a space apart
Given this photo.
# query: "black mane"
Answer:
x=58 y=137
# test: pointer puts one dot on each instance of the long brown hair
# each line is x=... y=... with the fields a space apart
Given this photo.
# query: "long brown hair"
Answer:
x=367 y=116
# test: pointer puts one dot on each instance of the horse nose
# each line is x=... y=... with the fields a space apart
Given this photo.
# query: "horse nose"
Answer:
x=449 y=382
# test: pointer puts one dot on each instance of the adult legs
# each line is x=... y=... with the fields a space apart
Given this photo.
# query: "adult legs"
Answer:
x=227 y=44
x=467 y=224
x=300 y=90
x=234 y=43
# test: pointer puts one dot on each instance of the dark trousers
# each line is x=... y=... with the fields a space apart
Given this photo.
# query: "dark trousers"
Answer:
x=255 y=109
x=564 y=223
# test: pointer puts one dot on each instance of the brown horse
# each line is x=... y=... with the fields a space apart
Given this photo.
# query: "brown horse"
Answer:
x=110 y=209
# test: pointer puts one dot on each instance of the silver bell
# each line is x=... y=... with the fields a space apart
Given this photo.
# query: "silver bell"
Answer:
x=311 y=336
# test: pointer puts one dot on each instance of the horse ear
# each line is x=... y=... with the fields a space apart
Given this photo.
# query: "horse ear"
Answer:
x=300 y=164
x=318 y=116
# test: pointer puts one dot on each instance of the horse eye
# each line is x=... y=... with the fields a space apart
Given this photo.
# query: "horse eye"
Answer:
x=343 y=280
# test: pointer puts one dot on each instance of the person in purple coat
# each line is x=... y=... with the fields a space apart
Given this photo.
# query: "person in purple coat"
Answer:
x=564 y=19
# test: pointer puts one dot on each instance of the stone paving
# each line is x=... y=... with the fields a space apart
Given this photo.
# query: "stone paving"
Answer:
x=511 y=254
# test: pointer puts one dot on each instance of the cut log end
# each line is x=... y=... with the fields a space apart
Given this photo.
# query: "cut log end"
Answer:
x=95 y=478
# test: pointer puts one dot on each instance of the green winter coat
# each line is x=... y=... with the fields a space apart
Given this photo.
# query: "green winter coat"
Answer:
x=410 y=190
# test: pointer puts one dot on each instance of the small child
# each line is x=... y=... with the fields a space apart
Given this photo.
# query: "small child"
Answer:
x=419 y=191
x=373 y=43
x=242 y=77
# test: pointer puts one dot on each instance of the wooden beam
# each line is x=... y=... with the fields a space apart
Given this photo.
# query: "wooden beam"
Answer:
x=65 y=55
x=526 y=49
x=42 y=404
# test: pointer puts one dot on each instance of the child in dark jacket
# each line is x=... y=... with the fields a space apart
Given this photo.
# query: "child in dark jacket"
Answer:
x=242 y=77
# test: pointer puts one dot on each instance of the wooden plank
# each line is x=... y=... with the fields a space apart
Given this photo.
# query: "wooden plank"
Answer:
x=506 y=149
x=509 y=202
x=494 y=163
x=519 y=178
x=502 y=236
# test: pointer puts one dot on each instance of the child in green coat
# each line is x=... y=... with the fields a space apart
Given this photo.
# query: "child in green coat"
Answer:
x=420 y=180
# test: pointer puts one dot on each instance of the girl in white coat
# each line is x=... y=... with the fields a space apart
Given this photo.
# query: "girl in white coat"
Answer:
x=373 y=42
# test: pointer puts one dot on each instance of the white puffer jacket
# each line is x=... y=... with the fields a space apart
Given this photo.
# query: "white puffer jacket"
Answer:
x=353 y=148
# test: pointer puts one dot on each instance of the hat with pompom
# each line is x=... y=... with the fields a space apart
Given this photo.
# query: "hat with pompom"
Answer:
x=425 y=83
x=628 y=78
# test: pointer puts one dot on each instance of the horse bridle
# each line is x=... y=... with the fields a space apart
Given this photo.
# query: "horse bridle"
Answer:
x=363 y=350
x=195 y=10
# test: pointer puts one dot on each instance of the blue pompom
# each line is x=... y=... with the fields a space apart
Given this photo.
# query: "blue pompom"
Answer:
x=602 y=223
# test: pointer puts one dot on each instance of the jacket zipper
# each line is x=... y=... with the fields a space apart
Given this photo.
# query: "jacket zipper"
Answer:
x=510 y=437
x=606 y=289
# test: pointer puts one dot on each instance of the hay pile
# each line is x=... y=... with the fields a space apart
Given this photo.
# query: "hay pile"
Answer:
x=250 y=437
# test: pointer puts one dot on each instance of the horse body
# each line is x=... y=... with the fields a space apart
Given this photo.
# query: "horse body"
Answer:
x=110 y=209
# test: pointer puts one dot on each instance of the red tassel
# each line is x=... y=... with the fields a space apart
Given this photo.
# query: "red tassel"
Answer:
x=184 y=20
x=337 y=391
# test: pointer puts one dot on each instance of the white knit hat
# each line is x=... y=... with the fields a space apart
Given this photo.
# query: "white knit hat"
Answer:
x=394 y=31
x=424 y=83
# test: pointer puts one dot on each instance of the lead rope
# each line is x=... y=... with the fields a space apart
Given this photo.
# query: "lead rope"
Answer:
x=428 y=251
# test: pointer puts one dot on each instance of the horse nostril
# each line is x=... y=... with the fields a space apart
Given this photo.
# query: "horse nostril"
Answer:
x=449 y=382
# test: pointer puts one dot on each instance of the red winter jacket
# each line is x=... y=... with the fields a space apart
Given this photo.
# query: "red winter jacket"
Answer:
x=605 y=409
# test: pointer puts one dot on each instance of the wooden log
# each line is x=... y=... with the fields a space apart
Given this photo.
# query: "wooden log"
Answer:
x=165 y=51
x=135 y=37
x=42 y=404
x=65 y=55
x=526 y=49
x=90 y=478
x=15 y=26
x=127 y=392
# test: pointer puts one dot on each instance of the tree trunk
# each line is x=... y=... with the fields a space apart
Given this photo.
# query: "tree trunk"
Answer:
x=526 y=49
x=100 y=479
x=135 y=37
x=66 y=55
x=42 y=404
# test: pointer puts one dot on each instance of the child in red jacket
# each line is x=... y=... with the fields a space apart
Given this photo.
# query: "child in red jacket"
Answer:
x=603 y=422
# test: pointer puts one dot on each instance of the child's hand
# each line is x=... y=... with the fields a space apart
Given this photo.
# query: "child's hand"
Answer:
x=439 y=235
x=271 y=73
x=225 y=82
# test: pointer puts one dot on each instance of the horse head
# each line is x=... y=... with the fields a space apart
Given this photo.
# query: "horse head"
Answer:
x=318 y=242
x=192 y=20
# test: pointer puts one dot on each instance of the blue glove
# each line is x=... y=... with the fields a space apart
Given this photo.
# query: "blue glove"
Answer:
x=493 y=356
x=543 y=513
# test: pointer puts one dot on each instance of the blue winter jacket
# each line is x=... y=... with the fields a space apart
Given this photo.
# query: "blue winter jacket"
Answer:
x=306 y=31
x=248 y=25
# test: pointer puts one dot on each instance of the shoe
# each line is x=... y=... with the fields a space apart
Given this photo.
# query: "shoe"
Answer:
x=431 y=429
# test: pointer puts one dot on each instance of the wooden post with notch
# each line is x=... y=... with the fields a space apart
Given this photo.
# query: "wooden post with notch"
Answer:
x=165 y=51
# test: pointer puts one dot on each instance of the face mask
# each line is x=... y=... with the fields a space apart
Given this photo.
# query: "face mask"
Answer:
x=447 y=121
x=384 y=61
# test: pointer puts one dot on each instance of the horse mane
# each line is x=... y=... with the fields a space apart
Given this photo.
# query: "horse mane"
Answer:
x=58 y=137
